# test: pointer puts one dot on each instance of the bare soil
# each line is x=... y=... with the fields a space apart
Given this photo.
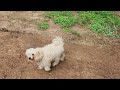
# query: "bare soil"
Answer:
x=89 y=56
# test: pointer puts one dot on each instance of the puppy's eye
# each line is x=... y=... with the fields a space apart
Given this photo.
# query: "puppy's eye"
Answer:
x=32 y=54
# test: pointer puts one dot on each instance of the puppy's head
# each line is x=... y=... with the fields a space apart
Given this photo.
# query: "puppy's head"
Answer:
x=30 y=53
x=34 y=54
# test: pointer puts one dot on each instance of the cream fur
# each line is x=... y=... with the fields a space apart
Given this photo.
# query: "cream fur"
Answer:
x=44 y=56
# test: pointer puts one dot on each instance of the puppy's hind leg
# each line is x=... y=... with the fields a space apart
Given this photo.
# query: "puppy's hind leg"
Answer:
x=62 y=57
x=47 y=68
x=56 y=62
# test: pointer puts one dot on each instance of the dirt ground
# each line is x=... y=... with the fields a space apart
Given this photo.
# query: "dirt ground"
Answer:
x=89 y=56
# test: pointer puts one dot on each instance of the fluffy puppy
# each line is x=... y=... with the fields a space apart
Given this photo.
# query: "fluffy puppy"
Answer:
x=44 y=56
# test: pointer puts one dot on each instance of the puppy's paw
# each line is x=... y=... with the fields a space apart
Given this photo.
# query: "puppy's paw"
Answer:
x=47 y=68
x=62 y=59
x=40 y=67
x=54 y=64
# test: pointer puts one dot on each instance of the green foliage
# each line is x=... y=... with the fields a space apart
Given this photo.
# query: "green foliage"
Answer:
x=43 y=25
x=62 y=18
x=103 y=22
x=65 y=21
x=54 y=14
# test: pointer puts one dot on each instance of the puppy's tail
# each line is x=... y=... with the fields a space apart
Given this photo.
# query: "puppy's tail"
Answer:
x=58 y=41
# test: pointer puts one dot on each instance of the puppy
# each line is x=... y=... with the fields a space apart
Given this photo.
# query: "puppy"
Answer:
x=44 y=56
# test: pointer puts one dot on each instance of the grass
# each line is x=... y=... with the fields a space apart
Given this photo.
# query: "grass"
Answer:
x=54 y=14
x=100 y=22
x=43 y=25
x=62 y=18
x=65 y=21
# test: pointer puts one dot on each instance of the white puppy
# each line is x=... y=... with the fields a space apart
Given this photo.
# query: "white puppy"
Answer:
x=44 y=56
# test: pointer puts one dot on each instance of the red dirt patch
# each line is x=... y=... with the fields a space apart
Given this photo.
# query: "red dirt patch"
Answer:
x=81 y=61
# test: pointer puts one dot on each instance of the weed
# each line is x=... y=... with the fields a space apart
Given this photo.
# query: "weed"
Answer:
x=43 y=25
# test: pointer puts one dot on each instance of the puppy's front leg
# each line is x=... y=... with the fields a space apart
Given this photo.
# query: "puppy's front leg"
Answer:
x=40 y=66
x=47 y=66
x=47 y=63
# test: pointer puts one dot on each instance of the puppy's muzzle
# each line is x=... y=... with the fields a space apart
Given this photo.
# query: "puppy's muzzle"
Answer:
x=30 y=58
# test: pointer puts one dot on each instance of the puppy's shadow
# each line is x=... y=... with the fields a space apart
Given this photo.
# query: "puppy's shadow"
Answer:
x=59 y=66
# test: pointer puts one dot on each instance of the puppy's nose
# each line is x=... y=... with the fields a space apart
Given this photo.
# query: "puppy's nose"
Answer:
x=29 y=57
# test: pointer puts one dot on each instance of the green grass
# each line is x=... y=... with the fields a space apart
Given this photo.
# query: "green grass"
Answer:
x=66 y=21
x=62 y=18
x=54 y=14
x=67 y=30
x=43 y=25
x=101 y=22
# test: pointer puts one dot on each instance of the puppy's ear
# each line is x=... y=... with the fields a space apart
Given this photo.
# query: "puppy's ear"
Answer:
x=26 y=52
x=38 y=54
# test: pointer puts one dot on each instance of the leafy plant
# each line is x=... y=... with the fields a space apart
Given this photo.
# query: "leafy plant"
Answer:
x=43 y=25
